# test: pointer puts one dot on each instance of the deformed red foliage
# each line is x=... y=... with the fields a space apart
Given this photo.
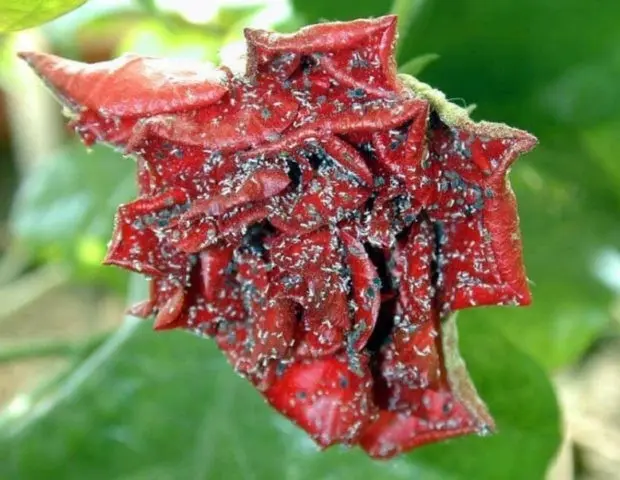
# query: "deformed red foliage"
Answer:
x=316 y=216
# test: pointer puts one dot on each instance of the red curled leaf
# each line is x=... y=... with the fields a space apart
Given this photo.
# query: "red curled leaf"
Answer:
x=403 y=152
x=271 y=323
x=366 y=289
x=246 y=116
x=305 y=254
x=182 y=305
x=163 y=165
x=354 y=52
x=320 y=217
x=349 y=160
x=214 y=262
x=473 y=274
x=411 y=364
x=396 y=432
x=475 y=211
x=130 y=86
x=422 y=409
x=325 y=398
x=232 y=225
x=335 y=189
x=232 y=340
x=413 y=271
x=325 y=323
x=348 y=110
x=196 y=235
x=93 y=127
x=137 y=243
x=259 y=185
x=273 y=331
x=170 y=312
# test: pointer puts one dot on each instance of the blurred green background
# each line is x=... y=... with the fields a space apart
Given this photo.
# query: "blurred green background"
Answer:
x=90 y=394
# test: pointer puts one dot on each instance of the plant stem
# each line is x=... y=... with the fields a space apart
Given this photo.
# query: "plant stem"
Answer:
x=29 y=288
x=41 y=402
x=56 y=348
x=13 y=262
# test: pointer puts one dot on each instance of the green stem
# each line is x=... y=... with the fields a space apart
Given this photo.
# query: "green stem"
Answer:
x=29 y=288
x=45 y=399
x=56 y=348
x=13 y=262
x=407 y=11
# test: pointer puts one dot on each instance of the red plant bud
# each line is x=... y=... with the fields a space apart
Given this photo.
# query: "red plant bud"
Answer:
x=320 y=217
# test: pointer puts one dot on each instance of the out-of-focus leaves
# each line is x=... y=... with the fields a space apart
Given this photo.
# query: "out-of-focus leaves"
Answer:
x=96 y=39
x=169 y=406
x=407 y=12
x=603 y=144
x=416 y=66
x=18 y=15
x=233 y=38
x=504 y=55
x=148 y=6
x=234 y=44
x=229 y=17
x=65 y=207
x=585 y=94
x=329 y=10
x=159 y=38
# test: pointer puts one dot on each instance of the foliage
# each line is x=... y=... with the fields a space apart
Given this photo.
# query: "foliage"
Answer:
x=64 y=209
x=17 y=15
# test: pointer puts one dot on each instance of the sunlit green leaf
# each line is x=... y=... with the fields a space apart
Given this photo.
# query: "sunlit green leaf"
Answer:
x=19 y=14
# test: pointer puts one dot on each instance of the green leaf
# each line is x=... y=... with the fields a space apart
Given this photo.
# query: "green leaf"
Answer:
x=416 y=65
x=322 y=10
x=228 y=17
x=64 y=209
x=603 y=144
x=148 y=6
x=407 y=11
x=546 y=76
x=161 y=406
x=18 y=14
